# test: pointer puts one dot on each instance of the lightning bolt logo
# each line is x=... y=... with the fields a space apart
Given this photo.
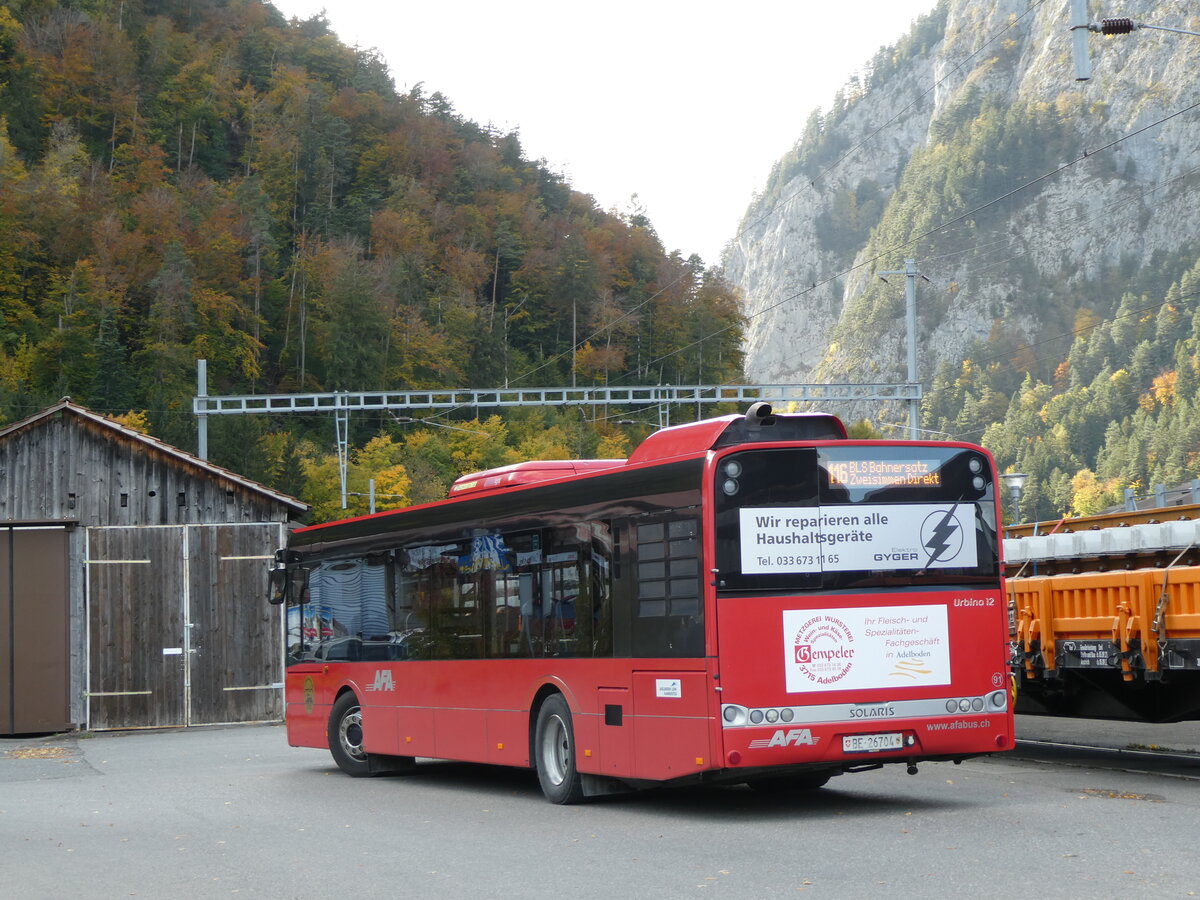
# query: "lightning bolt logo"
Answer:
x=941 y=536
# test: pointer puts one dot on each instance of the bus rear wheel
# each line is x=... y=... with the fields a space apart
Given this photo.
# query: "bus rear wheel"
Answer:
x=554 y=752
x=346 y=736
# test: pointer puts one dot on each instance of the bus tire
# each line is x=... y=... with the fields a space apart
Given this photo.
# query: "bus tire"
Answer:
x=554 y=752
x=783 y=784
x=346 y=736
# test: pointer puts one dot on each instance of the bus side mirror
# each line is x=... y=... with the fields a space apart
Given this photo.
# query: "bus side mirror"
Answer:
x=277 y=581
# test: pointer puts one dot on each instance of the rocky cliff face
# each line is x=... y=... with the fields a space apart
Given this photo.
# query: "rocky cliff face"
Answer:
x=1022 y=194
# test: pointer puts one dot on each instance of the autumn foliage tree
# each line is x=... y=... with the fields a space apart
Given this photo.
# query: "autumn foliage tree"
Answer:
x=211 y=180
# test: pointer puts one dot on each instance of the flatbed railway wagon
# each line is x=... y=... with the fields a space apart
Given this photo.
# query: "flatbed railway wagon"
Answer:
x=751 y=599
x=1105 y=615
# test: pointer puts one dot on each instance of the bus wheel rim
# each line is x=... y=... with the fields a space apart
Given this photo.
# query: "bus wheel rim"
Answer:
x=350 y=734
x=556 y=750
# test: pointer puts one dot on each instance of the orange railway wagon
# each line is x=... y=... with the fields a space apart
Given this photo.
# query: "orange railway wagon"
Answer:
x=1105 y=621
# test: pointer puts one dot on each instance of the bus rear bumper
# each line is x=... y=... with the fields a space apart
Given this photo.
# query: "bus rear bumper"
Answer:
x=849 y=745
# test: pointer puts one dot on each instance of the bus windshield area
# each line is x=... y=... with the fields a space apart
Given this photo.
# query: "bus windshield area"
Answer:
x=849 y=517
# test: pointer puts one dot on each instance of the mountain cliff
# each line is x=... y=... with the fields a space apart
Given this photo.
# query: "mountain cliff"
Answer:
x=1023 y=195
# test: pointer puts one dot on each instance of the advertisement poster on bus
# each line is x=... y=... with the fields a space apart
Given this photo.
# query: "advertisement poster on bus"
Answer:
x=865 y=648
x=781 y=540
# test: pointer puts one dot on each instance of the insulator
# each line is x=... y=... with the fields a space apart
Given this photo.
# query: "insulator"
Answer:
x=1122 y=25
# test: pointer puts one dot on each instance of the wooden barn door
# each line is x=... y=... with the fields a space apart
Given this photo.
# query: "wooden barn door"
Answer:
x=35 y=670
x=180 y=631
x=235 y=639
x=137 y=664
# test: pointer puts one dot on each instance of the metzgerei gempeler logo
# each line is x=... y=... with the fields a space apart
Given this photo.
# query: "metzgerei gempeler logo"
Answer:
x=824 y=649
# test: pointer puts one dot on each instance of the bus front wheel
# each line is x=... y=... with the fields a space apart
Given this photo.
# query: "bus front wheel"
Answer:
x=346 y=736
x=554 y=753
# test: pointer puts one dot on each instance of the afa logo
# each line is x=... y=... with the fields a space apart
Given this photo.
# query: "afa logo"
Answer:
x=799 y=737
x=383 y=681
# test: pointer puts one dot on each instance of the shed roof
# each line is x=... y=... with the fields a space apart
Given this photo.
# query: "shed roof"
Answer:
x=182 y=457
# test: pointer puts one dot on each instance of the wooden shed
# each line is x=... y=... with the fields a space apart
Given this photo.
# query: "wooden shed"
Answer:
x=133 y=581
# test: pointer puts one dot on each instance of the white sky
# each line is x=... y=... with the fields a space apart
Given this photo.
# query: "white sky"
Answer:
x=685 y=104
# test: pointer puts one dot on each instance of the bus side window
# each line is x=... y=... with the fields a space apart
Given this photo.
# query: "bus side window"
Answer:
x=297 y=645
x=443 y=603
x=333 y=614
x=426 y=585
x=599 y=582
x=668 y=609
x=405 y=617
x=510 y=627
x=560 y=594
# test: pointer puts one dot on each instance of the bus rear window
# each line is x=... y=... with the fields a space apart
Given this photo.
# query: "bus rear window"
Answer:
x=850 y=516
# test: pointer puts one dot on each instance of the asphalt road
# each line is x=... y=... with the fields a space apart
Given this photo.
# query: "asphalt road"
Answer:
x=234 y=811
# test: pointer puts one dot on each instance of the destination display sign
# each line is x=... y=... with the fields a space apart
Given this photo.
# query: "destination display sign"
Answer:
x=780 y=540
x=875 y=473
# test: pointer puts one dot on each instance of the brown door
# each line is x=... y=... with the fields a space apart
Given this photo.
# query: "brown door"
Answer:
x=137 y=663
x=234 y=637
x=35 y=671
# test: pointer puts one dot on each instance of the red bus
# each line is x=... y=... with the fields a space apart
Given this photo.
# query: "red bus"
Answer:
x=747 y=599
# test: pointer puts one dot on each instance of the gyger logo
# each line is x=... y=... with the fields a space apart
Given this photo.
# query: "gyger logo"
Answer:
x=942 y=536
x=823 y=649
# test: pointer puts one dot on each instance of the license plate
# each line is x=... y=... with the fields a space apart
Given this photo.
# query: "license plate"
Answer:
x=872 y=743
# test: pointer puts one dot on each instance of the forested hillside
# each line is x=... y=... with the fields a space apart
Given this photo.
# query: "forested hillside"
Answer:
x=1057 y=228
x=203 y=179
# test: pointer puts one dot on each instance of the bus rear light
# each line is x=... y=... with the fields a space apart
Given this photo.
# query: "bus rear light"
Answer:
x=996 y=701
x=734 y=714
x=734 y=757
x=756 y=716
x=772 y=716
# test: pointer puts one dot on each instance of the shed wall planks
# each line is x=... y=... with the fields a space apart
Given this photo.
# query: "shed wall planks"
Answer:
x=70 y=468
